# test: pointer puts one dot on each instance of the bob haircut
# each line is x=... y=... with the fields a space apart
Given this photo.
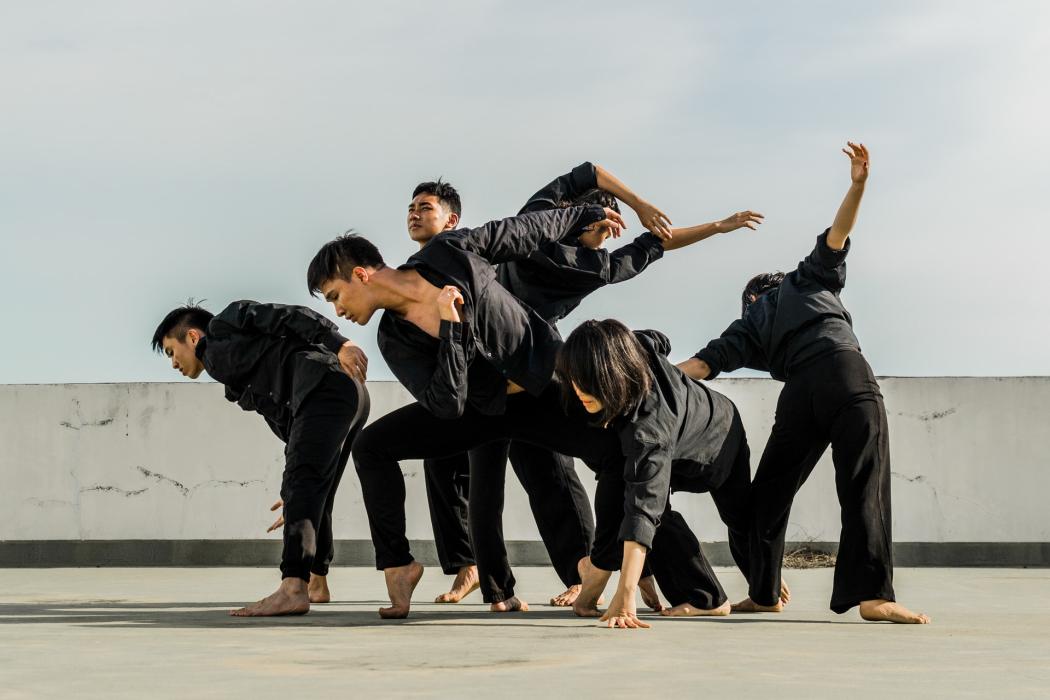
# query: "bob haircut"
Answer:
x=605 y=359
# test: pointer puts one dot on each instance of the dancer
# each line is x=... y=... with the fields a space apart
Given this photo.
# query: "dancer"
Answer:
x=676 y=434
x=795 y=327
x=290 y=365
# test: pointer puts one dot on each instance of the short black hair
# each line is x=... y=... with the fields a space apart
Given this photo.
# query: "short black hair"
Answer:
x=337 y=258
x=180 y=320
x=757 y=286
x=592 y=196
x=605 y=359
x=445 y=193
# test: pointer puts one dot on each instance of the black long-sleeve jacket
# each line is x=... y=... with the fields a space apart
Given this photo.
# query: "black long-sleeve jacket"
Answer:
x=670 y=440
x=798 y=322
x=270 y=357
x=556 y=277
x=511 y=340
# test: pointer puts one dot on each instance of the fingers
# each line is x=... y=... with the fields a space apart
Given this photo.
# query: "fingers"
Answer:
x=278 y=504
x=625 y=622
x=276 y=524
x=614 y=216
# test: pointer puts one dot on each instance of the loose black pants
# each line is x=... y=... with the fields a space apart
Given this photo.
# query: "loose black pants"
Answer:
x=316 y=453
x=559 y=504
x=676 y=558
x=834 y=400
x=412 y=432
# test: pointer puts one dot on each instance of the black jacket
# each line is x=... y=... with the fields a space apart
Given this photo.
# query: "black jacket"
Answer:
x=800 y=321
x=498 y=339
x=270 y=357
x=556 y=277
x=669 y=441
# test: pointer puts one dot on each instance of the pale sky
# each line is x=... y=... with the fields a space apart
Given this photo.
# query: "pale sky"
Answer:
x=157 y=151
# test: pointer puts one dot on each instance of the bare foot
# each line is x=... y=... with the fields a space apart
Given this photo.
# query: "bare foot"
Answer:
x=400 y=582
x=647 y=587
x=687 y=610
x=318 y=589
x=466 y=583
x=512 y=604
x=749 y=606
x=785 y=592
x=290 y=598
x=886 y=611
x=564 y=600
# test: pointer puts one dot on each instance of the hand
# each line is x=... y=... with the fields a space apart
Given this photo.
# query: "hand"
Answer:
x=446 y=303
x=612 y=221
x=622 y=612
x=353 y=361
x=748 y=218
x=653 y=219
x=280 y=519
x=858 y=157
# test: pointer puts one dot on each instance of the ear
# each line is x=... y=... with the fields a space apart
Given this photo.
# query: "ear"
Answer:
x=193 y=336
x=453 y=221
x=362 y=274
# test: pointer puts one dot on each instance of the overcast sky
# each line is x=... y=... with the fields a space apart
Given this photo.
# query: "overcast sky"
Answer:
x=156 y=151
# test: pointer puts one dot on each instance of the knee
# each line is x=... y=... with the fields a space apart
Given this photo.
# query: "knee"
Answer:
x=367 y=448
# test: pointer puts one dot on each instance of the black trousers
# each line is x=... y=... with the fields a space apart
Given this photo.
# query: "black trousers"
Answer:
x=318 y=447
x=412 y=432
x=676 y=558
x=558 y=501
x=834 y=400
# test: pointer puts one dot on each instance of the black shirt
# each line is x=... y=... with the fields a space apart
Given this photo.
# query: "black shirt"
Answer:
x=556 y=277
x=800 y=321
x=670 y=440
x=511 y=341
x=270 y=357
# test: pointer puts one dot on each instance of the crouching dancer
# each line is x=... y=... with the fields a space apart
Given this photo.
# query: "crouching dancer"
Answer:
x=795 y=327
x=676 y=434
x=290 y=365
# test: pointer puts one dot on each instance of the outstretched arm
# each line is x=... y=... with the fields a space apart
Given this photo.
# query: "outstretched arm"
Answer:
x=681 y=237
x=847 y=213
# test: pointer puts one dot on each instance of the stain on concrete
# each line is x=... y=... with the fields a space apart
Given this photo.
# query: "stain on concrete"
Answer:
x=930 y=415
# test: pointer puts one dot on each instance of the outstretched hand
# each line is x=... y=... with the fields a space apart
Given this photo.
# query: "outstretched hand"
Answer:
x=858 y=157
x=750 y=219
x=653 y=219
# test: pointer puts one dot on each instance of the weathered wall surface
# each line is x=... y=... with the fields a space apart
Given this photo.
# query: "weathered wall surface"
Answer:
x=176 y=461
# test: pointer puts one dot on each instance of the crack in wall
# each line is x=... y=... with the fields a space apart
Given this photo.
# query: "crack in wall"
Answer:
x=930 y=415
x=115 y=489
x=187 y=490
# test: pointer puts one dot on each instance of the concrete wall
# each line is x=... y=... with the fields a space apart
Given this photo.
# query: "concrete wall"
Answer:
x=177 y=462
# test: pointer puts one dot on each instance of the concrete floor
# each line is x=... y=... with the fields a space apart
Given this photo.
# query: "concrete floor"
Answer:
x=150 y=633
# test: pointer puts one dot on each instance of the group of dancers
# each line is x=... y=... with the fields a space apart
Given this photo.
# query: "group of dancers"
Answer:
x=469 y=327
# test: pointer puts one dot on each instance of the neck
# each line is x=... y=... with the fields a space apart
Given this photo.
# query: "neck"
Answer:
x=398 y=290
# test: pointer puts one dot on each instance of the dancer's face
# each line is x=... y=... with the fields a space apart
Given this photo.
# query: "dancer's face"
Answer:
x=590 y=403
x=352 y=298
x=183 y=353
x=427 y=217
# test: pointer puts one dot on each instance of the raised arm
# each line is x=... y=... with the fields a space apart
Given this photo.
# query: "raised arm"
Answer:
x=517 y=237
x=651 y=217
x=847 y=213
x=564 y=188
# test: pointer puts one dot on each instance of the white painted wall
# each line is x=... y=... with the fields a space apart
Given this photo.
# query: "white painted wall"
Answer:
x=176 y=461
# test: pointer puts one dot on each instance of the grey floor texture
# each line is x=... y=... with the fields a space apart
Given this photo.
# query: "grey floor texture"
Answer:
x=158 y=633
